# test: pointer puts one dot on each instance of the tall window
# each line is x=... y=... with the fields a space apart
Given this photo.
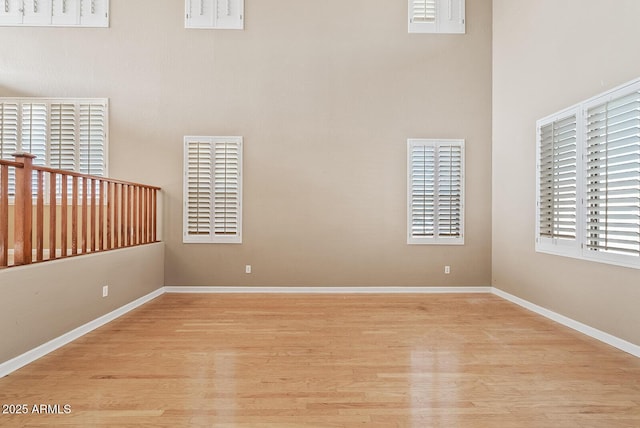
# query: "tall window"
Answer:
x=435 y=191
x=589 y=179
x=436 y=16
x=212 y=190
x=69 y=134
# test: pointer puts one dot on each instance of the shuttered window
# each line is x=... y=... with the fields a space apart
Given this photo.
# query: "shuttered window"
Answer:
x=613 y=175
x=214 y=14
x=64 y=13
x=435 y=191
x=437 y=16
x=558 y=179
x=213 y=189
x=589 y=179
x=69 y=134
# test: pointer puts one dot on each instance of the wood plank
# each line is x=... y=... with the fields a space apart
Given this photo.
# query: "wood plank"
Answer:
x=74 y=215
x=64 y=218
x=331 y=361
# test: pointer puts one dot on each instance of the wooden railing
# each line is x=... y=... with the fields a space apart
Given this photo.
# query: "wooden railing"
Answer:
x=59 y=213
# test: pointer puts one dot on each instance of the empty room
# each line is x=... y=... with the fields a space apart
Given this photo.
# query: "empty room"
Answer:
x=337 y=213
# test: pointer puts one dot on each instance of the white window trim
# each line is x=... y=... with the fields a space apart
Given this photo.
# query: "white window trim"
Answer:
x=435 y=240
x=449 y=17
x=54 y=13
x=212 y=236
x=578 y=248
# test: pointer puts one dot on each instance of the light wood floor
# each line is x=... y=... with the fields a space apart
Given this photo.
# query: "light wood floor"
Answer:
x=330 y=361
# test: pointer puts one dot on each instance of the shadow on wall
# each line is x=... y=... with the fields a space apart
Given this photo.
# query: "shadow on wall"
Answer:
x=5 y=91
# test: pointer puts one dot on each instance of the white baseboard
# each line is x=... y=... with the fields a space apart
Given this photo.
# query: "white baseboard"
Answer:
x=607 y=338
x=327 y=290
x=42 y=350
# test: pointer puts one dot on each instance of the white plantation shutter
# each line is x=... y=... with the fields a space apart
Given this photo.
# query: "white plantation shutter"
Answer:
x=558 y=180
x=436 y=16
x=69 y=134
x=36 y=12
x=9 y=132
x=80 y=13
x=62 y=146
x=92 y=138
x=10 y=12
x=65 y=12
x=215 y=14
x=613 y=174
x=588 y=179
x=9 y=129
x=198 y=187
x=35 y=131
x=94 y=13
x=213 y=189
x=435 y=191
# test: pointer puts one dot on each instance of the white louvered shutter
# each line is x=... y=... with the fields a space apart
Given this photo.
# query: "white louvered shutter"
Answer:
x=449 y=191
x=613 y=174
x=557 y=179
x=11 y=12
x=92 y=138
x=9 y=131
x=37 y=12
x=213 y=189
x=226 y=202
x=65 y=12
x=198 y=188
x=62 y=151
x=34 y=135
x=437 y=16
x=436 y=191
x=214 y=14
x=94 y=13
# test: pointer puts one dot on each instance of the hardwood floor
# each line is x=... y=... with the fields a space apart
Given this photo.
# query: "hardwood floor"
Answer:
x=186 y=360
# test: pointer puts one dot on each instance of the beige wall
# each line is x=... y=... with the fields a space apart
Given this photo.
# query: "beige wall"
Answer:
x=548 y=55
x=325 y=95
x=41 y=302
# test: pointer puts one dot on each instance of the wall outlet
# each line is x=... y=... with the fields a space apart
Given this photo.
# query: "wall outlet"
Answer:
x=447 y=270
x=105 y=291
x=247 y=269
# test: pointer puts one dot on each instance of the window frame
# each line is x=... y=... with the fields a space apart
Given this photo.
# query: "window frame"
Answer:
x=579 y=248
x=212 y=237
x=436 y=239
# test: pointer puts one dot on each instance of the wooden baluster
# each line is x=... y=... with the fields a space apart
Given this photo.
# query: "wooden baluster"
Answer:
x=92 y=227
x=125 y=216
x=110 y=188
x=74 y=215
x=22 y=212
x=40 y=217
x=116 y=214
x=4 y=216
x=85 y=185
x=53 y=220
x=101 y=215
x=143 y=216
x=154 y=215
x=135 y=215
x=63 y=216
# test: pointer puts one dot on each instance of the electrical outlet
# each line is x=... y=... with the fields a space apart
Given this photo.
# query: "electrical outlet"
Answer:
x=105 y=291
x=247 y=269
x=447 y=270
